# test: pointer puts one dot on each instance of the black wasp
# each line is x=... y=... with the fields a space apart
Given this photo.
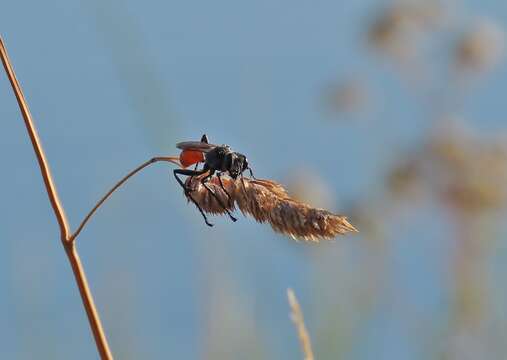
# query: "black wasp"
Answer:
x=217 y=159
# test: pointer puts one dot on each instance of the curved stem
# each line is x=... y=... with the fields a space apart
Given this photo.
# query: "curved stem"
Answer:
x=171 y=159
x=70 y=250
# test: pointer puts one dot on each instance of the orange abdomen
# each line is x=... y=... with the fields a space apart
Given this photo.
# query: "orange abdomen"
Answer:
x=190 y=157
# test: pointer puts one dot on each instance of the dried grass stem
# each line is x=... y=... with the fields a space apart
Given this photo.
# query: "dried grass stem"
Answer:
x=70 y=250
x=299 y=321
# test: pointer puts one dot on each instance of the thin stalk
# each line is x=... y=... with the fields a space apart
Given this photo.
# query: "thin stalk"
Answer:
x=170 y=159
x=70 y=250
x=299 y=322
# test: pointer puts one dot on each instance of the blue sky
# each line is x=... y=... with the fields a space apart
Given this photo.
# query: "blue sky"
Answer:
x=111 y=84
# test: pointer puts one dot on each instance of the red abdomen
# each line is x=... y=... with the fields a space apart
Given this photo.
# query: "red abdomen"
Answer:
x=190 y=157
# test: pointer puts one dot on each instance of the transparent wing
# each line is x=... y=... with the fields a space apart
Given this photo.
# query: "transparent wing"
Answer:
x=195 y=146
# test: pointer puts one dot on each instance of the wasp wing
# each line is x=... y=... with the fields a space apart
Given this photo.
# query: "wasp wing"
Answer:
x=195 y=146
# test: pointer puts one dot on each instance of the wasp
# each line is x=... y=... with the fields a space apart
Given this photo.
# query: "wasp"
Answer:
x=219 y=159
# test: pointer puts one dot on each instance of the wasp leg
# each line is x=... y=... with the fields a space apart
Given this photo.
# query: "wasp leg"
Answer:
x=203 y=182
x=219 y=176
x=243 y=183
x=251 y=173
x=187 y=190
x=195 y=169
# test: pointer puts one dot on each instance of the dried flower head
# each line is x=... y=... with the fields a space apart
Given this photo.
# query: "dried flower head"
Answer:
x=347 y=96
x=268 y=201
x=471 y=171
x=405 y=177
x=397 y=29
x=388 y=32
x=481 y=47
x=464 y=170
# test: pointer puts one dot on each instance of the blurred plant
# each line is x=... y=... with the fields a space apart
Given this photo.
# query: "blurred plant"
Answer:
x=397 y=30
x=348 y=96
x=480 y=47
x=145 y=91
x=230 y=324
x=464 y=172
x=299 y=321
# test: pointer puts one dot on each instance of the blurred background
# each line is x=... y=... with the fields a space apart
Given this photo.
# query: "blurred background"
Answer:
x=390 y=112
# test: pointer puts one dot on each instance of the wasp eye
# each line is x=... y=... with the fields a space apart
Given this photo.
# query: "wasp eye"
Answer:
x=228 y=161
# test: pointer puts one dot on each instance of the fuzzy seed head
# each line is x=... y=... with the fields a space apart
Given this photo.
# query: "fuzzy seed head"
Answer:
x=267 y=201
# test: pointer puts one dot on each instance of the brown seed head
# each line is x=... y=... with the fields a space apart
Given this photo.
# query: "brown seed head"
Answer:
x=268 y=201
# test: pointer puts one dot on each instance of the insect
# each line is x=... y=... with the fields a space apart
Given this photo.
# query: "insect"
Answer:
x=219 y=159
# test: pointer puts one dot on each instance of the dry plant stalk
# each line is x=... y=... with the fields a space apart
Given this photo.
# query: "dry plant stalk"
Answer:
x=67 y=238
x=268 y=201
x=65 y=235
x=299 y=321
x=265 y=200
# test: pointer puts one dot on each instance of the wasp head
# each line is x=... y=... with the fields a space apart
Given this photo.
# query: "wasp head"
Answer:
x=239 y=163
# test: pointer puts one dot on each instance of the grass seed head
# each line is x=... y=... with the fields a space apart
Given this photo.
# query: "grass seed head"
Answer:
x=267 y=201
